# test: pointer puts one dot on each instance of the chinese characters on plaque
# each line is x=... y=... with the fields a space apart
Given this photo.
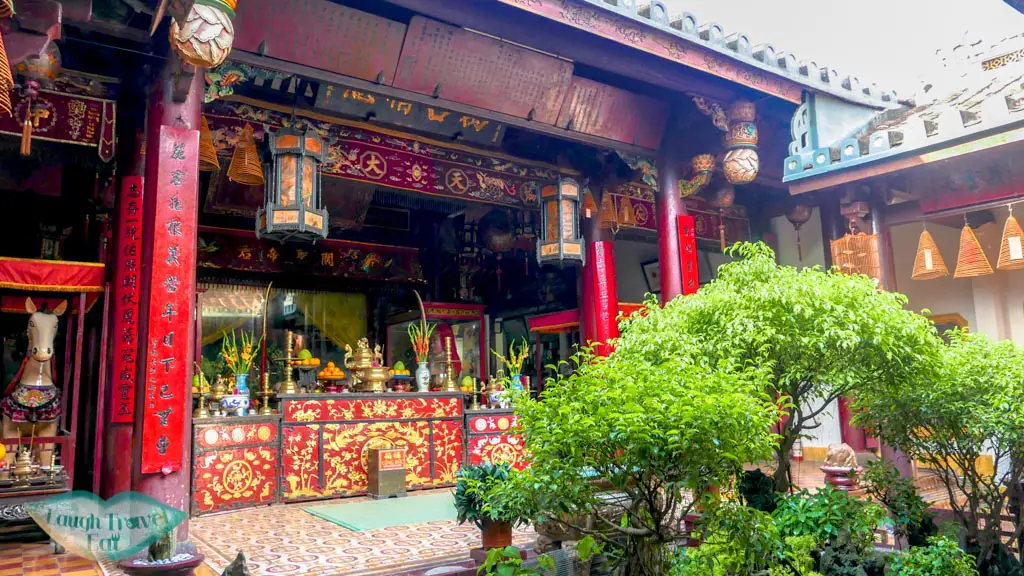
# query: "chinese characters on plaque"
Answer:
x=171 y=298
x=128 y=248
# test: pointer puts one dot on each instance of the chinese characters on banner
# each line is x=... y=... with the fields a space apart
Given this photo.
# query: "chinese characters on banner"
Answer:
x=171 y=294
x=688 y=254
x=128 y=246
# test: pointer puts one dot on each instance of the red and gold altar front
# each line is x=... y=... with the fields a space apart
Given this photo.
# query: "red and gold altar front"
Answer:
x=316 y=448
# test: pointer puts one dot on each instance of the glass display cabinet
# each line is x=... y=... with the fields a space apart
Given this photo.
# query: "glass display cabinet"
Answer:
x=462 y=324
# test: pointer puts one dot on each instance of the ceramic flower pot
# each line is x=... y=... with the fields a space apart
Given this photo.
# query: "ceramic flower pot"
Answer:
x=495 y=534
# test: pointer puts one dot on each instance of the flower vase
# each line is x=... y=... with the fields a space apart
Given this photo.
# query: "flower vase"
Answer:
x=422 y=377
x=240 y=383
x=517 y=381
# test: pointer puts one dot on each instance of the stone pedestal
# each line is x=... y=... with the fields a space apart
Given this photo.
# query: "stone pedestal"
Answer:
x=841 y=477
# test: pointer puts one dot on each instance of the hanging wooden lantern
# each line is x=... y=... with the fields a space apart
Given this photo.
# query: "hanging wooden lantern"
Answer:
x=971 y=262
x=245 y=167
x=608 y=217
x=627 y=216
x=857 y=254
x=798 y=215
x=560 y=238
x=589 y=204
x=204 y=39
x=741 y=161
x=928 y=264
x=1011 y=255
x=722 y=198
x=292 y=206
x=208 y=161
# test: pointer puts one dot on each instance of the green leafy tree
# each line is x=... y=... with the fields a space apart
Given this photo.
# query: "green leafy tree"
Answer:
x=971 y=407
x=908 y=511
x=820 y=335
x=943 y=557
x=618 y=447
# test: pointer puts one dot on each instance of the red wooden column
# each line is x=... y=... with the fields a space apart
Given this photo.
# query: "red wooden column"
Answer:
x=599 y=292
x=161 y=453
x=124 y=319
x=669 y=207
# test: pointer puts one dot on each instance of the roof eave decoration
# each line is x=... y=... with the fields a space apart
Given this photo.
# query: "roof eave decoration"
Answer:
x=684 y=30
x=827 y=139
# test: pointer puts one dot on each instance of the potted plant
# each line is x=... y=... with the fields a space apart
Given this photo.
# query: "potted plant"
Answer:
x=478 y=499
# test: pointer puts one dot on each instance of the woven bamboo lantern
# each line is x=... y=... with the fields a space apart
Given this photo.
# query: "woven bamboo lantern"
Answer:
x=6 y=79
x=627 y=217
x=245 y=167
x=204 y=39
x=1011 y=252
x=857 y=254
x=589 y=204
x=928 y=264
x=971 y=262
x=608 y=217
x=208 y=161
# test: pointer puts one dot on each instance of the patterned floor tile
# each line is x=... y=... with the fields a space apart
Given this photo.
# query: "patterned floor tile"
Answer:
x=284 y=540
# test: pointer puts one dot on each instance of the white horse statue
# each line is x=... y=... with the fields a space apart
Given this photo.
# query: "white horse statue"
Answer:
x=31 y=404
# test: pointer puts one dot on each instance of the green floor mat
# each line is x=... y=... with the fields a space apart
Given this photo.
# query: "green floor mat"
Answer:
x=391 y=512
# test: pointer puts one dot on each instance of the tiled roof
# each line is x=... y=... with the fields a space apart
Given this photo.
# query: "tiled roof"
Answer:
x=739 y=46
x=982 y=90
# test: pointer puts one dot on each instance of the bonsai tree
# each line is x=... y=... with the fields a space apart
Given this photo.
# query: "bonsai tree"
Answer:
x=617 y=447
x=818 y=335
x=909 y=512
x=969 y=409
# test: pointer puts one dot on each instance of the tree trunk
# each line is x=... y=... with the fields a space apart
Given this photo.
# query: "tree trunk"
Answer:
x=645 y=557
x=782 y=464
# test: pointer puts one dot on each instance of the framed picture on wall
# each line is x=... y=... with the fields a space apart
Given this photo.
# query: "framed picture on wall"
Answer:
x=652 y=274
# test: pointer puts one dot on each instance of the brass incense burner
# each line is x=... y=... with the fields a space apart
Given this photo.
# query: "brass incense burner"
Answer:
x=367 y=367
x=23 y=463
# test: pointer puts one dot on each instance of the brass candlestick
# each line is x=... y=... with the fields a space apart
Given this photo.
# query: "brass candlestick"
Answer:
x=201 y=411
x=475 y=404
x=51 y=475
x=265 y=394
x=288 y=386
x=449 y=369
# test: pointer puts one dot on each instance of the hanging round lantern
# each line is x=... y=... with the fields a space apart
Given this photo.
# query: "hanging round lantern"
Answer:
x=723 y=197
x=38 y=71
x=292 y=205
x=741 y=162
x=798 y=215
x=204 y=39
x=496 y=230
x=561 y=238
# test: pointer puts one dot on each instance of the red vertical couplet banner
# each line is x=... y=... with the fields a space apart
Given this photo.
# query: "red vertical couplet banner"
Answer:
x=606 y=295
x=171 y=294
x=688 y=254
x=128 y=252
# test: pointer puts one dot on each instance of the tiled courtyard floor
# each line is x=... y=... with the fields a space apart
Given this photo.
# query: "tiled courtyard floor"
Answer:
x=285 y=540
